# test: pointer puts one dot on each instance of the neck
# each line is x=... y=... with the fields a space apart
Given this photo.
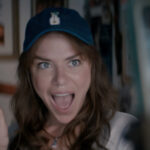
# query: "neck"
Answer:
x=57 y=138
x=54 y=127
x=55 y=130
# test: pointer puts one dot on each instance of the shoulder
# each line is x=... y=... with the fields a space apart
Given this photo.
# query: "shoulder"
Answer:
x=121 y=118
x=119 y=125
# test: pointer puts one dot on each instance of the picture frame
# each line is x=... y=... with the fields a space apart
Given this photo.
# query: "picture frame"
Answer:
x=9 y=39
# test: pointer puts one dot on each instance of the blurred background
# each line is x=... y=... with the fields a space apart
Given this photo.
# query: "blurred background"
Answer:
x=121 y=29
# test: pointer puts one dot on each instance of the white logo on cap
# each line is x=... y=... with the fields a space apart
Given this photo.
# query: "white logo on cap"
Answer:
x=54 y=19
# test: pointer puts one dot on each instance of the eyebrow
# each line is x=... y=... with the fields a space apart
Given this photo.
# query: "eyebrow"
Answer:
x=41 y=58
x=74 y=56
x=47 y=59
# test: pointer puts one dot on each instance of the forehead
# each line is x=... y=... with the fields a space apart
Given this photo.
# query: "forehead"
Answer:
x=59 y=37
x=74 y=46
x=58 y=40
x=54 y=46
x=54 y=43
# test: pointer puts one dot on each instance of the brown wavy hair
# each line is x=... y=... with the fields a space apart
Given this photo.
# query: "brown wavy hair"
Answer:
x=31 y=114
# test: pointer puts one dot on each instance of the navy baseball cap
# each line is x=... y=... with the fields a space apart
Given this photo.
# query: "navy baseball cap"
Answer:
x=57 y=19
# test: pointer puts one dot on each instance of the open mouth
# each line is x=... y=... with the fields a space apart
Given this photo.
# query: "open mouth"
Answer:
x=63 y=101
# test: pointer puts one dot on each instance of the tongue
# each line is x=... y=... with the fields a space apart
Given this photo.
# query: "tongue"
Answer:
x=63 y=101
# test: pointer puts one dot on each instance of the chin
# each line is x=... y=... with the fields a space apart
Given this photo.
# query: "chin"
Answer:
x=65 y=119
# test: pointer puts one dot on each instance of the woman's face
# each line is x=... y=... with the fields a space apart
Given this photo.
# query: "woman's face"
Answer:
x=60 y=77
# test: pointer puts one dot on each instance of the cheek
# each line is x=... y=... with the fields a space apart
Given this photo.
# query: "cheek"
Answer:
x=84 y=80
x=86 y=75
x=39 y=83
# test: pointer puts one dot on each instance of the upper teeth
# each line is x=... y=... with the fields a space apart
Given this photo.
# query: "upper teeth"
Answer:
x=61 y=94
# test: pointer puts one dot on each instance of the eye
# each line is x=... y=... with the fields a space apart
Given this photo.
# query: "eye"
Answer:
x=44 y=65
x=75 y=62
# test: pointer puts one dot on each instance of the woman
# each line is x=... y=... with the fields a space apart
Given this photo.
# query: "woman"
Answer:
x=64 y=100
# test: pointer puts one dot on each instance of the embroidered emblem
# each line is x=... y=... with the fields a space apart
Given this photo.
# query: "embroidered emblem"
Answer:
x=54 y=19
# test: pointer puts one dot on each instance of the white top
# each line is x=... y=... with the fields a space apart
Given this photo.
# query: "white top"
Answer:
x=119 y=125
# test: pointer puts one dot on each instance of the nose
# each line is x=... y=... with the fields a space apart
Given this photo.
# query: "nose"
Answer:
x=60 y=77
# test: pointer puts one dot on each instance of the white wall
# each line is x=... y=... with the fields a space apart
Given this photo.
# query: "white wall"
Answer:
x=77 y=5
x=24 y=15
x=8 y=71
x=8 y=67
